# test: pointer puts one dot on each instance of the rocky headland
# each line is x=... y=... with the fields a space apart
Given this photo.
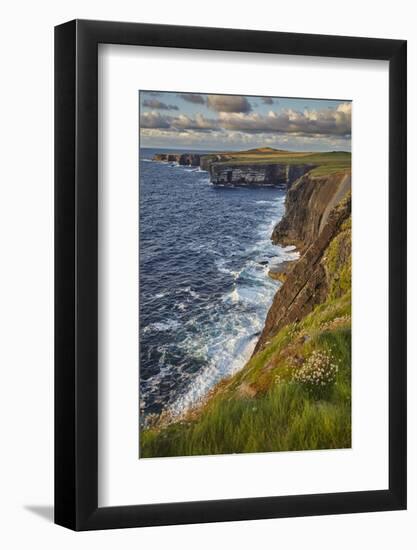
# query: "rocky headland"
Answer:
x=184 y=159
x=274 y=403
x=316 y=209
x=262 y=166
x=235 y=173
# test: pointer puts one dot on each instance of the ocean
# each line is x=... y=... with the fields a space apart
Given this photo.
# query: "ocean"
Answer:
x=204 y=292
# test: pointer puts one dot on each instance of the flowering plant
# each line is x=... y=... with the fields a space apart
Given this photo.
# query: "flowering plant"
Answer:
x=317 y=374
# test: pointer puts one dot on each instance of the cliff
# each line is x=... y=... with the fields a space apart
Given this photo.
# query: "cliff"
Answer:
x=308 y=283
x=262 y=166
x=316 y=208
x=222 y=173
x=295 y=392
x=184 y=159
x=308 y=205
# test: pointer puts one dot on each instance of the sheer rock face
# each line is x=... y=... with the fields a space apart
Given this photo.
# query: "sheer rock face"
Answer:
x=207 y=160
x=189 y=159
x=308 y=204
x=307 y=284
x=223 y=171
x=255 y=174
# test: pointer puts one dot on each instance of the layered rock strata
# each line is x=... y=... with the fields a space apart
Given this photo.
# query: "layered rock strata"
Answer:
x=185 y=159
x=224 y=172
x=256 y=174
x=312 y=226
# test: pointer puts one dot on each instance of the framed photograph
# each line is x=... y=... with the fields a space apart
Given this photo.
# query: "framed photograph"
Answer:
x=230 y=252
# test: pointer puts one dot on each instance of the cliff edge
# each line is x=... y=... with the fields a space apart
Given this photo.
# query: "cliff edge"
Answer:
x=308 y=205
x=295 y=391
x=261 y=166
x=316 y=209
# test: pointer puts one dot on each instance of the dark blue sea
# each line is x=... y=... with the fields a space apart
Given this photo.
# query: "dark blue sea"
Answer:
x=204 y=291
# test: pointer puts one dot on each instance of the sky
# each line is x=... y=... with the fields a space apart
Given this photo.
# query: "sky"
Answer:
x=197 y=121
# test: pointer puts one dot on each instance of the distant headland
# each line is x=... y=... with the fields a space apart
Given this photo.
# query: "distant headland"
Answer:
x=261 y=166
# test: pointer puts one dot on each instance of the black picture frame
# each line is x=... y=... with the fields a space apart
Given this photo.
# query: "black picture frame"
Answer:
x=76 y=274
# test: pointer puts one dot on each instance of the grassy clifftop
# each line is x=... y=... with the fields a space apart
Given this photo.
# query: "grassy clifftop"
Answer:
x=295 y=392
x=324 y=163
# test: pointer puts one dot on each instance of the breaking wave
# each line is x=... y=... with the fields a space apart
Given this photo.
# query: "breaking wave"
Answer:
x=205 y=253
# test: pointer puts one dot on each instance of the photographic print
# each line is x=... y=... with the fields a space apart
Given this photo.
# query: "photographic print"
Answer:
x=244 y=274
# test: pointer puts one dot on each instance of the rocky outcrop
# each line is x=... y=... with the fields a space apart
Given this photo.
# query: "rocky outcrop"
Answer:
x=314 y=228
x=207 y=160
x=308 y=204
x=226 y=173
x=189 y=159
x=166 y=157
x=185 y=159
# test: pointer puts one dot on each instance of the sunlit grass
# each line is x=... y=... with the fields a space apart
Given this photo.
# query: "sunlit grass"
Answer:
x=324 y=163
x=282 y=418
x=266 y=407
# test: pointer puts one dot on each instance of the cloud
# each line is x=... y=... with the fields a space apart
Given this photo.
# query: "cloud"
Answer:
x=228 y=103
x=267 y=100
x=198 y=122
x=154 y=119
x=326 y=122
x=335 y=122
x=345 y=108
x=229 y=140
x=156 y=104
x=193 y=98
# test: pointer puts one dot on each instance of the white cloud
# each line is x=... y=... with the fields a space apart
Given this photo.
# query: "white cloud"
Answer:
x=330 y=122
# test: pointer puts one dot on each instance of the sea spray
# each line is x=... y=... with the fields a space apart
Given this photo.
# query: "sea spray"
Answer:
x=204 y=290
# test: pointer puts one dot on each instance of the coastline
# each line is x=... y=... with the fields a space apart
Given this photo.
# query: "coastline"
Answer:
x=187 y=405
x=209 y=318
x=312 y=226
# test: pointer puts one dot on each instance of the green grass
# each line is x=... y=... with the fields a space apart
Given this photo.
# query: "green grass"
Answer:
x=326 y=161
x=284 y=419
x=262 y=408
x=331 y=168
x=281 y=416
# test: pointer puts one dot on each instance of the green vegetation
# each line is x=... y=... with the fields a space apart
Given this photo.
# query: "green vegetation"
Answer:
x=295 y=394
x=263 y=409
x=337 y=261
x=282 y=420
x=331 y=168
x=325 y=163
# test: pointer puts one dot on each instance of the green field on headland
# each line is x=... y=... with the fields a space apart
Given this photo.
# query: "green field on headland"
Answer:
x=318 y=163
x=324 y=162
